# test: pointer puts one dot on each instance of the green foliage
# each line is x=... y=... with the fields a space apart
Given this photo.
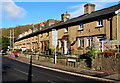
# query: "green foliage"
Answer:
x=18 y=50
x=5 y=43
x=93 y=52
x=36 y=50
x=113 y=38
x=79 y=60
x=112 y=50
x=109 y=49
x=48 y=58
x=17 y=30
x=22 y=28
x=74 y=54
x=52 y=49
x=41 y=53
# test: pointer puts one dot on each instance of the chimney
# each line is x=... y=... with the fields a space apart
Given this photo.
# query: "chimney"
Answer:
x=88 y=8
x=41 y=26
x=65 y=17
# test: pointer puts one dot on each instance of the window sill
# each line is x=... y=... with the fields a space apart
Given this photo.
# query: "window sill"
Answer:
x=100 y=26
x=65 y=32
x=80 y=30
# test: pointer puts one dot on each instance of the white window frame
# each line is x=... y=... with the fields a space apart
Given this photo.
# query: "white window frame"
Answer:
x=81 y=26
x=66 y=29
x=100 y=22
x=90 y=41
x=100 y=38
x=81 y=42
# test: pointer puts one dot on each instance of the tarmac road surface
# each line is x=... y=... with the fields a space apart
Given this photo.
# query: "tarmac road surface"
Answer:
x=17 y=72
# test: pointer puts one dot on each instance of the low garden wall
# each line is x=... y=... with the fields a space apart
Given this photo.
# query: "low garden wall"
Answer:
x=63 y=60
x=110 y=64
x=107 y=63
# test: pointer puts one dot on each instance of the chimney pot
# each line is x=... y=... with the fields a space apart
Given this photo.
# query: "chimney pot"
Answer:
x=88 y=8
x=66 y=12
x=65 y=17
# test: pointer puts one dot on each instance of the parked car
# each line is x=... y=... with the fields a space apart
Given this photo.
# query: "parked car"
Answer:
x=4 y=53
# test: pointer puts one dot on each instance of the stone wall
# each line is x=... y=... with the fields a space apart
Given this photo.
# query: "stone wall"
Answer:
x=63 y=60
x=110 y=64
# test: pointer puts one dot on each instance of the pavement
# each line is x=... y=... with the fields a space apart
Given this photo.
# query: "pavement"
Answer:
x=73 y=70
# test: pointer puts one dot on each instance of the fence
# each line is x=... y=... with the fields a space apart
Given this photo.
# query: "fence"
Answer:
x=108 y=45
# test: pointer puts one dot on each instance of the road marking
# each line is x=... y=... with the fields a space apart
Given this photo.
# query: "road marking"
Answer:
x=22 y=71
x=50 y=81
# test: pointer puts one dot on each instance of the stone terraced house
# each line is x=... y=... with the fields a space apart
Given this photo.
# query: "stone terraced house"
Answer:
x=77 y=34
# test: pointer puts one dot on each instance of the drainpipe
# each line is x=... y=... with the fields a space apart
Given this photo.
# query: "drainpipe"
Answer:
x=117 y=12
x=111 y=33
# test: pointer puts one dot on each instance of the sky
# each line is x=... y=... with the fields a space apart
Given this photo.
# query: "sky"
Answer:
x=15 y=13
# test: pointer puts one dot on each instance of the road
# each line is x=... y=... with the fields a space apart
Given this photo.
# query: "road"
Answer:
x=17 y=72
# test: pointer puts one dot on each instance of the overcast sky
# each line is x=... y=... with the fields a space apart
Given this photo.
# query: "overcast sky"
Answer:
x=20 y=12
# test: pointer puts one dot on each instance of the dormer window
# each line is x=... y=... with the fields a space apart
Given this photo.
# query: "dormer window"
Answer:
x=100 y=22
x=81 y=27
x=66 y=29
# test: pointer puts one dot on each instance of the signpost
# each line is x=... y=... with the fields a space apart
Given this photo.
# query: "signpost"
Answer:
x=54 y=42
x=71 y=60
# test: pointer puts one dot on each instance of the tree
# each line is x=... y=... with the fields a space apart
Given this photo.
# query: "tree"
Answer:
x=5 y=43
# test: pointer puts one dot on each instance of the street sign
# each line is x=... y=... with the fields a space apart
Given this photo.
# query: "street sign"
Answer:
x=54 y=37
x=54 y=42
x=72 y=60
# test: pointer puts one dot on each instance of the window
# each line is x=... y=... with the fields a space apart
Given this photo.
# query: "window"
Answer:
x=66 y=29
x=101 y=38
x=81 y=26
x=90 y=40
x=100 y=22
x=81 y=42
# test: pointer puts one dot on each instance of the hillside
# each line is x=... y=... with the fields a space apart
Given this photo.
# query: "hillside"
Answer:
x=17 y=30
x=23 y=28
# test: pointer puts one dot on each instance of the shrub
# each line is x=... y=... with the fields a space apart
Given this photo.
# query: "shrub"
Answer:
x=52 y=49
x=93 y=52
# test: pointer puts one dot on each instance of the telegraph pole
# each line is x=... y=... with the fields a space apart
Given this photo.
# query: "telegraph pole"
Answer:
x=10 y=43
x=13 y=39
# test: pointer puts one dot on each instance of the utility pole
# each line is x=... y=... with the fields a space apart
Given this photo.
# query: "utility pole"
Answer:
x=13 y=39
x=10 y=43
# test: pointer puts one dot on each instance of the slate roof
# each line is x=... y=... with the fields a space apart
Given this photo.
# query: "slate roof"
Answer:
x=107 y=12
